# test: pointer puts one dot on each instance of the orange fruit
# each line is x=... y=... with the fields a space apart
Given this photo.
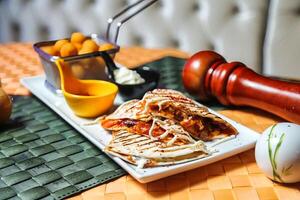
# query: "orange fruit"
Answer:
x=5 y=106
x=78 y=70
x=78 y=46
x=58 y=44
x=82 y=51
x=106 y=46
x=68 y=49
x=85 y=50
x=90 y=45
x=50 y=50
x=77 y=37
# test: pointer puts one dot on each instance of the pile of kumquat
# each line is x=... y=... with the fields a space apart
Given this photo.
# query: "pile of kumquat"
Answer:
x=77 y=45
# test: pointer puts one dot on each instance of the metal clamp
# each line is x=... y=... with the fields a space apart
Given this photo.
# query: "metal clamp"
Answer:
x=122 y=21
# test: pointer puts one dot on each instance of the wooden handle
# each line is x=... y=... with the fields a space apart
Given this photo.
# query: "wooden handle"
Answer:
x=208 y=75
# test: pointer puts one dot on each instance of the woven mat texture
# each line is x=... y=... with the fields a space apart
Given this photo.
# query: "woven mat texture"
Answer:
x=41 y=156
x=237 y=177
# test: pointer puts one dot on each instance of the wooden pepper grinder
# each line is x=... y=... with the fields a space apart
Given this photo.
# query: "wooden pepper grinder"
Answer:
x=208 y=75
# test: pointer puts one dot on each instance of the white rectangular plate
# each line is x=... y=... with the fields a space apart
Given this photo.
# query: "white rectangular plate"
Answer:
x=245 y=140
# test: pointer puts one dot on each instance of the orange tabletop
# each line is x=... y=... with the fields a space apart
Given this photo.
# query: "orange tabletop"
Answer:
x=237 y=177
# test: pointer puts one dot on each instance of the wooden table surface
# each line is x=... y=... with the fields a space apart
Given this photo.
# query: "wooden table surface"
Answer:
x=237 y=177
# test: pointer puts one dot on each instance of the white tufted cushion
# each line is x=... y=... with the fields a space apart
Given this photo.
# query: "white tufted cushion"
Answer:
x=234 y=28
x=282 y=44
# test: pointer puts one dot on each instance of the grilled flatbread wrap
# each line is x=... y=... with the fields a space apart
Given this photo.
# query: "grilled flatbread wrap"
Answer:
x=194 y=118
x=137 y=116
x=149 y=152
x=166 y=130
x=132 y=109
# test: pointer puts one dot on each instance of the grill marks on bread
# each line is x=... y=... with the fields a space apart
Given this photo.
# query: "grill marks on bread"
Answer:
x=195 y=119
x=163 y=128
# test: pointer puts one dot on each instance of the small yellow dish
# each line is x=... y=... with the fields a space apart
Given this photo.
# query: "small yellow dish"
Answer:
x=86 y=98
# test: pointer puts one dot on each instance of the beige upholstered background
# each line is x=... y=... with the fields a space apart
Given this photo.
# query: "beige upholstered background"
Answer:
x=234 y=28
x=282 y=46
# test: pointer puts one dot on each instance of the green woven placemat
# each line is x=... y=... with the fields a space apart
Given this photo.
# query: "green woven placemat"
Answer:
x=41 y=156
x=170 y=69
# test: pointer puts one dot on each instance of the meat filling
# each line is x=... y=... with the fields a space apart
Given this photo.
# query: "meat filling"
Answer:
x=199 y=127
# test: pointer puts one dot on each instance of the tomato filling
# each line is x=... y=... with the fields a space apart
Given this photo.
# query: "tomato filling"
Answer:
x=139 y=127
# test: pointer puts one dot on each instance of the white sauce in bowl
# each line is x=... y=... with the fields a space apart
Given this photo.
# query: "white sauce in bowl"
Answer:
x=126 y=76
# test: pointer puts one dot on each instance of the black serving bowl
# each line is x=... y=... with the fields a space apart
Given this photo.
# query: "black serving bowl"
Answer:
x=137 y=91
x=132 y=91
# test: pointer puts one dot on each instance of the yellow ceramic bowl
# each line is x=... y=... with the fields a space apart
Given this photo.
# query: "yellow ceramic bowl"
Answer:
x=86 y=98
x=93 y=99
